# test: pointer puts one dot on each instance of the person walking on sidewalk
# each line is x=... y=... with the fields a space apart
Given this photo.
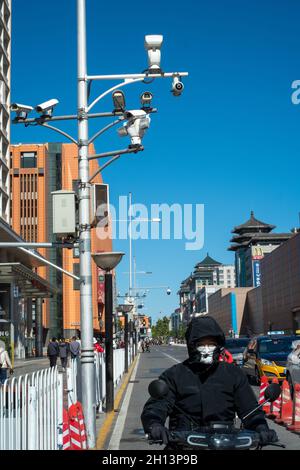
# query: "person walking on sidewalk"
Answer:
x=63 y=353
x=53 y=352
x=74 y=348
x=4 y=364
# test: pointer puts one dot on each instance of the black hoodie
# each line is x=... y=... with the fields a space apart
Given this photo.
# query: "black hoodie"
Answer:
x=213 y=394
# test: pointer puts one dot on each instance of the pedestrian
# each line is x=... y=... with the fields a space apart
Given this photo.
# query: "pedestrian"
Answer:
x=63 y=353
x=53 y=352
x=5 y=363
x=74 y=348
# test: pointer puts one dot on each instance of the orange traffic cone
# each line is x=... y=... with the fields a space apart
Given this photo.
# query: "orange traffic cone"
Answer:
x=295 y=426
x=275 y=405
x=286 y=414
x=263 y=385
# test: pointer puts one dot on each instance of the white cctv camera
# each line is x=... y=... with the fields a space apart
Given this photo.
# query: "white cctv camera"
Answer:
x=137 y=123
x=153 y=45
x=177 y=86
x=22 y=110
x=46 y=108
x=168 y=291
x=146 y=98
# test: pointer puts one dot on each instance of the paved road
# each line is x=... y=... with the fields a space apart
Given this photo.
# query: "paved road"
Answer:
x=128 y=433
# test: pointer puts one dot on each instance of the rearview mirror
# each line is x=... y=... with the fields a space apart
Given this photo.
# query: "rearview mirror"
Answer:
x=272 y=392
x=158 y=389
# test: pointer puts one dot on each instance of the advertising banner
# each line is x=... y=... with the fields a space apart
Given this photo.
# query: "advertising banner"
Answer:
x=256 y=273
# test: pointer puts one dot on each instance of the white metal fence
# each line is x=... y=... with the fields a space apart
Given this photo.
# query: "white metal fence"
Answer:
x=74 y=376
x=31 y=411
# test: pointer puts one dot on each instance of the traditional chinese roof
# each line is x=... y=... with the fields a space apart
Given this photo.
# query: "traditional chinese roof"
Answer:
x=253 y=224
x=207 y=262
x=272 y=238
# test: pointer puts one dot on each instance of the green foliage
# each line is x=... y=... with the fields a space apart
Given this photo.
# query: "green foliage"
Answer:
x=161 y=329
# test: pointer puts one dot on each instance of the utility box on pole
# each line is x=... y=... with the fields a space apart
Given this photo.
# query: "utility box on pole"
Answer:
x=64 y=217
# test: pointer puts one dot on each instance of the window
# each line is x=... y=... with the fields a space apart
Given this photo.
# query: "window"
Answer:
x=28 y=160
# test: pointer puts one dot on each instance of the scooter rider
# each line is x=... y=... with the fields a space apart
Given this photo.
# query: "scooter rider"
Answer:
x=204 y=388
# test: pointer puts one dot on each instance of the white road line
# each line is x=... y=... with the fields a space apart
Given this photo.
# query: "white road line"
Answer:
x=171 y=357
x=114 y=442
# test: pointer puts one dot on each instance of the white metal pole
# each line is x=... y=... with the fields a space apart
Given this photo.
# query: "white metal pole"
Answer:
x=86 y=307
x=130 y=244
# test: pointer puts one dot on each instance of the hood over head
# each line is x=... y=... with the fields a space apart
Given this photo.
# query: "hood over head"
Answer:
x=203 y=326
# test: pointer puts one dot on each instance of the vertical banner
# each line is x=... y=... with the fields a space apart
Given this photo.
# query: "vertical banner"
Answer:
x=100 y=286
x=256 y=273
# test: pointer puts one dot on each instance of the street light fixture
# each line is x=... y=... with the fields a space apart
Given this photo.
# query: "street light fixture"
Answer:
x=107 y=262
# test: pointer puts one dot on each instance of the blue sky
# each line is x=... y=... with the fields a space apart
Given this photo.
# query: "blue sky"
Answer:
x=231 y=141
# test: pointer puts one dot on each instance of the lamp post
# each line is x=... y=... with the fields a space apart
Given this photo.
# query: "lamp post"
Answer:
x=125 y=309
x=108 y=261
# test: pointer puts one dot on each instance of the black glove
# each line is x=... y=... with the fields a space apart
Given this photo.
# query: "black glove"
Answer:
x=159 y=433
x=267 y=436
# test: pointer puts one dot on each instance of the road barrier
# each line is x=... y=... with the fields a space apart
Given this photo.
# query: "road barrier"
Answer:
x=284 y=410
x=295 y=425
x=31 y=412
x=74 y=376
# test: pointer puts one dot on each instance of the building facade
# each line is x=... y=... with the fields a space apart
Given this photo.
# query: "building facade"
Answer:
x=228 y=307
x=5 y=67
x=251 y=242
x=209 y=275
x=281 y=287
x=36 y=171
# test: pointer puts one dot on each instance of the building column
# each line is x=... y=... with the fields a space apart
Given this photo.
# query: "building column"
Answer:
x=39 y=327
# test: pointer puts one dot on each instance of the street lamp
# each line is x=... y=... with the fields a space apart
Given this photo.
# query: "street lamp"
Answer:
x=125 y=309
x=107 y=262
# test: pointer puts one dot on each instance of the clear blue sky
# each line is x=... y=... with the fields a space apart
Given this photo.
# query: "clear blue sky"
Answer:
x=230 y=142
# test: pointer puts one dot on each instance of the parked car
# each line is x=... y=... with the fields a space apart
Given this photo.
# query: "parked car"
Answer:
x=267 y=355
x=293 y=366
x=236 y=347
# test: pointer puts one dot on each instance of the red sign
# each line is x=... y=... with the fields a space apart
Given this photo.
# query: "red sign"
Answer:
x=100 y=285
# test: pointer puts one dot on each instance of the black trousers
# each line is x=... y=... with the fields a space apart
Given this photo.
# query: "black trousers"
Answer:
x=64 y=361
x=53 y=360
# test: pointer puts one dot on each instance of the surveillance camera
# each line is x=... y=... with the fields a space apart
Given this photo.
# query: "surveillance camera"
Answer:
x=168 y=291
x=46 y=108
x=177 y=86
x=146 y=98
x=119 y=101
x=135 y=126
x=22 y=110
x=153 y=45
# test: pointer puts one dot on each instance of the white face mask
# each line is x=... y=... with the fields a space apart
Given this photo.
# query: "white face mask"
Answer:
x=207 y=353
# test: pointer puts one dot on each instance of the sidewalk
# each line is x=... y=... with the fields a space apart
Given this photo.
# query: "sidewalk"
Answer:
x=30 y=360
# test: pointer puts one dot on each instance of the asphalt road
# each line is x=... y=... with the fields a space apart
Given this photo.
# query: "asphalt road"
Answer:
x=128 y=433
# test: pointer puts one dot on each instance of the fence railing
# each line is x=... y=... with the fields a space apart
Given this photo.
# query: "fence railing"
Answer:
x=31 y=411
x=74 y=376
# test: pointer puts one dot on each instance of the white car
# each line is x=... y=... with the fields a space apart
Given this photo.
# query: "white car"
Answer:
x=293 y=366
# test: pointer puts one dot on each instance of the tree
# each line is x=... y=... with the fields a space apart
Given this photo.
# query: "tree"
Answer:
x=161 y=329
